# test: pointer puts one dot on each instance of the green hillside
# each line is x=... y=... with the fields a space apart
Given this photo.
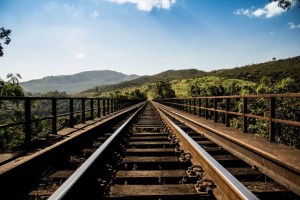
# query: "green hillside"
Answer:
x=164 y=76
x=275 y=70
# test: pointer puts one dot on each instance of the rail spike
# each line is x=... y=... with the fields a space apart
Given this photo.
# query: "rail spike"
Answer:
x=178 y=150
x=185 y=157
x=171 y=136
x=205 y=185
x=195 y=171
x=175 y=140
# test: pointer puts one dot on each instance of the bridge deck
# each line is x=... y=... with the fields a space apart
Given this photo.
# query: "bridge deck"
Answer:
x=283 y=154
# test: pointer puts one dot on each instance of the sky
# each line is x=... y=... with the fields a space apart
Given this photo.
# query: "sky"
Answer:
x=143 y=37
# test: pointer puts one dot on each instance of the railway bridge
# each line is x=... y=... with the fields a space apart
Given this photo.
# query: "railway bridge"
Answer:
x=216 y=147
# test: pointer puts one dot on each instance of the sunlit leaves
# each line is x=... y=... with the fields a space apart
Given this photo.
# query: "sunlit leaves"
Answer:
x=4 y=35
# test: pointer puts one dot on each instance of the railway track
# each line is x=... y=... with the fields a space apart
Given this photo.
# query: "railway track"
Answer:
x=149 y=155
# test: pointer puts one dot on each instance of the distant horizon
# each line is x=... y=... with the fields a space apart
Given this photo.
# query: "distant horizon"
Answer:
x=144 y=37
x=22 y=81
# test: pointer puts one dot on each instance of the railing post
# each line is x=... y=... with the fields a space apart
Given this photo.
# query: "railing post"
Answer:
x=92 y=108
x=54 y=116
x=272 y=106
x=245 y=119
x=194 y=104
x=186 y=105
x=199 y=105
x=115 y=104
x=83 y=110
x=206 y=106
x=103 y=107
x=227 y=120
x=27 y=127
x=182 y=104
x=215 y=112
x=190 y=105
x=98 y=107
x=108 y=106
x=71 y=113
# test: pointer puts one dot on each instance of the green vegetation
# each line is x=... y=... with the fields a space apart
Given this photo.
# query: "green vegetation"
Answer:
x=11 y=86
x=275 y=70
x=4 y=35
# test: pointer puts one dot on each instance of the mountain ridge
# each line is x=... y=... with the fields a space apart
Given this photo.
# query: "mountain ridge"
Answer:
x=75 y=82
x=277 y=70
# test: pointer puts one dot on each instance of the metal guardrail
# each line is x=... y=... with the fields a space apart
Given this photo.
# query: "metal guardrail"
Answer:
x=67 y=186
x=201 y=105
x=98 y=106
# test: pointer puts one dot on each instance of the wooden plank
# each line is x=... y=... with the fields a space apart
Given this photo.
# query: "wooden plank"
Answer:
x=225 y=157
x=62 y=174
x=151 y=173
x=243 y=171
x=166 y=150
x=135 y=159
x=149 y=127
x=259 y=186
x=152 y=190
x=149 y=134
x=150 y=138
x=150 y=143
x=205 y=142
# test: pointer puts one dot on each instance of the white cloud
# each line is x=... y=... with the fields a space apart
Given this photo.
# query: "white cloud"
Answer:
x=246 y=12
x=270 y=10
x=80 y=55
x=148 y=5
x=293 y=26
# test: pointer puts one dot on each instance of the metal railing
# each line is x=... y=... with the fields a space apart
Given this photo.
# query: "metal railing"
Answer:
x=89 y=108
x=212 y=107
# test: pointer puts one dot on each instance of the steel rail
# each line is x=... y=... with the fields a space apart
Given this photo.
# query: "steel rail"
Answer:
x=237 y=187
x=63 y=190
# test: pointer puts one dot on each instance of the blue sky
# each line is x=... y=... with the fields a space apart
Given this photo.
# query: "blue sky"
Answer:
x=144 y=37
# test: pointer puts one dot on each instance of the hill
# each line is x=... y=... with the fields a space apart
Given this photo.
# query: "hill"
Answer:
x=276 y=70
x=76 y=82
x=164 y=76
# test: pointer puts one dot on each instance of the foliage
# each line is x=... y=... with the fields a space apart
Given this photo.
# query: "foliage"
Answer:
x=4 y=35
x=11 y=86
x=276 y=70
x=285 y=4
x=163 y=90
x=134 y=94
x=139 y=82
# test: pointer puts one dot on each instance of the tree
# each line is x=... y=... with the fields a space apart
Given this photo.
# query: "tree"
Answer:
x=285 y=4
x=195 y=90
x=11 y=87
x=4 y=35
x=163 y=90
